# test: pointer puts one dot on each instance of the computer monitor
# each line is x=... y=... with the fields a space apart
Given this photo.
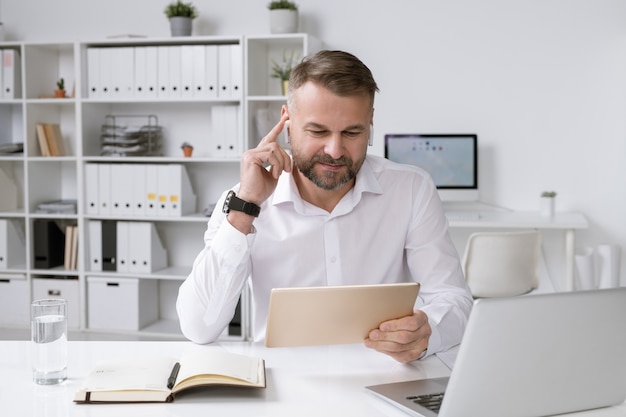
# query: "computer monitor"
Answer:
x=450 y=159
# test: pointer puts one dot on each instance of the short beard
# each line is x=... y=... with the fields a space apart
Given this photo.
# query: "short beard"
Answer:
x=328 y=181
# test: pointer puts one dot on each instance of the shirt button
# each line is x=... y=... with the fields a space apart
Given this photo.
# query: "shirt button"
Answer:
x=333 y=259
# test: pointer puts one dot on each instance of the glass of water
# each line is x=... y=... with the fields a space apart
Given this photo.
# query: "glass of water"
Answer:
x=49 y=340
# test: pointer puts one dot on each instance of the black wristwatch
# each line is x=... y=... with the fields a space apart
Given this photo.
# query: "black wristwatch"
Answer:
x=233 y=202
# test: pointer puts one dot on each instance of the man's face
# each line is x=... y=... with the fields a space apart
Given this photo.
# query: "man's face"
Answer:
x=329 y=135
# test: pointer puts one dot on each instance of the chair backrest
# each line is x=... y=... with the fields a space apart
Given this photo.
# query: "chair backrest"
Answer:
x=500 y=264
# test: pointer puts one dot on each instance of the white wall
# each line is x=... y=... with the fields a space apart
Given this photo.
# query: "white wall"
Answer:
x=543 y=83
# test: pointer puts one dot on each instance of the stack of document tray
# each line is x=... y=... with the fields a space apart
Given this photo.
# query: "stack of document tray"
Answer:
x=123 y=136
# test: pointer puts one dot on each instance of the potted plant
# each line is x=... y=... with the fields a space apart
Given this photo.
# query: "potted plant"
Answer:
x=60 y=91
x=282 y=70
x=547 y=203
x=283 y=16
x=181 y=17
x=187 y=149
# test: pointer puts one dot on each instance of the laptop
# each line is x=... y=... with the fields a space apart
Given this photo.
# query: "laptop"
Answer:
x=529 y=356
x=306 y=316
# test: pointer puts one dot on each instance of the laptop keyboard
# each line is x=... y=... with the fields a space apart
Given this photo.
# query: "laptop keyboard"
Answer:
x=430 y=401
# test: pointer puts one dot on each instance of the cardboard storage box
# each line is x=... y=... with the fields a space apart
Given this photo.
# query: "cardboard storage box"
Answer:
x=121 y=303
x=14 y=301
x=66 y=289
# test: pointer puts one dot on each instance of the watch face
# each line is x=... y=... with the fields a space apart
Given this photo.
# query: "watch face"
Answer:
x=226 y=206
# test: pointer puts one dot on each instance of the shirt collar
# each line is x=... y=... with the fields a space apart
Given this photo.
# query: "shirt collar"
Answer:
x=366 y=182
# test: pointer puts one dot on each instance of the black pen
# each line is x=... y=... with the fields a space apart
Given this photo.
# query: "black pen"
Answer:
x=172 y=379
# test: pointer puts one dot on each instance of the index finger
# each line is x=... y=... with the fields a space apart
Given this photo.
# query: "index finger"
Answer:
x=273 y=134
x=410 y=323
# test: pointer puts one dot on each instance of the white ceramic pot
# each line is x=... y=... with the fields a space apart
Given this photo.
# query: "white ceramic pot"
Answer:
x=547 y=206
x=283 y=21
x=181 y=26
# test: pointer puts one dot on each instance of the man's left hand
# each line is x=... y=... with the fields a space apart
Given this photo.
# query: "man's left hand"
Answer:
x=404 y=339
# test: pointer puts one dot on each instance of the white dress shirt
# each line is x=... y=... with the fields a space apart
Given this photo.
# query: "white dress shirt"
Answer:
x=390 y=227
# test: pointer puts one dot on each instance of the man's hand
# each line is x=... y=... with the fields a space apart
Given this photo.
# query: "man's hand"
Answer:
x=403 y=339
x=257 y=183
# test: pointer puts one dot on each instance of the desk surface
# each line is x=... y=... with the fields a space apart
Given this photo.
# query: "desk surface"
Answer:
x=515 y=219
x=308 y=381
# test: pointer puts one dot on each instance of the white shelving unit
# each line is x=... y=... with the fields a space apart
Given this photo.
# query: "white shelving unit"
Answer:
x=211 y=169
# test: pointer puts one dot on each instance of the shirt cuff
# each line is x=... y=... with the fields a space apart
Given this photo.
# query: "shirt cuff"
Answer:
x=434 y=342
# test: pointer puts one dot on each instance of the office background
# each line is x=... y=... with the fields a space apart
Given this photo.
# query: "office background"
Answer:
x=543 y=84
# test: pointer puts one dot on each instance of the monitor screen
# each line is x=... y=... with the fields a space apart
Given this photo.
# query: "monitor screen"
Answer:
x=450 y=159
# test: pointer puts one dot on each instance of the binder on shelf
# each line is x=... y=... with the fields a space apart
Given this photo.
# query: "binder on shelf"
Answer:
x=104 y=189
x=121 y=190
x=224 y=71
x=138 y=199
x=236 y=71
x=211 y=65
x=146 y=252
x=151 y=75
x=163 y=72
x=74 y=248
x=230 y=126
x=109 y=245
x=42 y=140
x=93 y=72
x=8 y=186
x=12 y=245
x=175 y=196
x=122 y=72
x=67 y=252
x=92 y=205
x=48 y=244
x=11 y=79
x=106 y=73
x=140 y=71
x=186 y=71
x=175 y=70
x=123 y=246
x=54 y=138
x=151 y=194
x=95 y=245
x=198 y=73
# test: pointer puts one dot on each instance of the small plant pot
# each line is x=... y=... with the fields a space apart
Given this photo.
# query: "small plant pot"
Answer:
x=181 y=26
x=283 y=21
x=285 y=86
x=187 y=151
x=547 y=206
x=59 y=93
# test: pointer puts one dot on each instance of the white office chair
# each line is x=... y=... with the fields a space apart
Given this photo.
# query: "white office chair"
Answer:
x=500 y=264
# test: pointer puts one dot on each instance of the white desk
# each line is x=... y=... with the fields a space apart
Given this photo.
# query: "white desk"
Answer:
x=506 y=219
x=311 y=381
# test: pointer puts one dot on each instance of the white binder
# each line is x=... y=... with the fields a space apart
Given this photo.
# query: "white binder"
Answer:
x=147 y=253
x=138 y=189
x=175 y=56
x=182 y=199
x=95 y=245
x=236 y=71
x=93 y=72
x=186 y=71
x=199 y=73
x=230 y=117
x=151 y=194
x=211 y=65
x=122 y=246
x=12 y=246
x=140 y=71
x=121 y=190
x=92 y=191
x=104 y=189
x=11 y=78
x=122 y=72
x=224 y=71
x=151 y=75
x=164 y=189
x=218 y=133
x=106 y=73
x=163 y=72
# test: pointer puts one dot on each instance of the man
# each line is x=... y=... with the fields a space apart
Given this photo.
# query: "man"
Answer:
x=329 y=215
